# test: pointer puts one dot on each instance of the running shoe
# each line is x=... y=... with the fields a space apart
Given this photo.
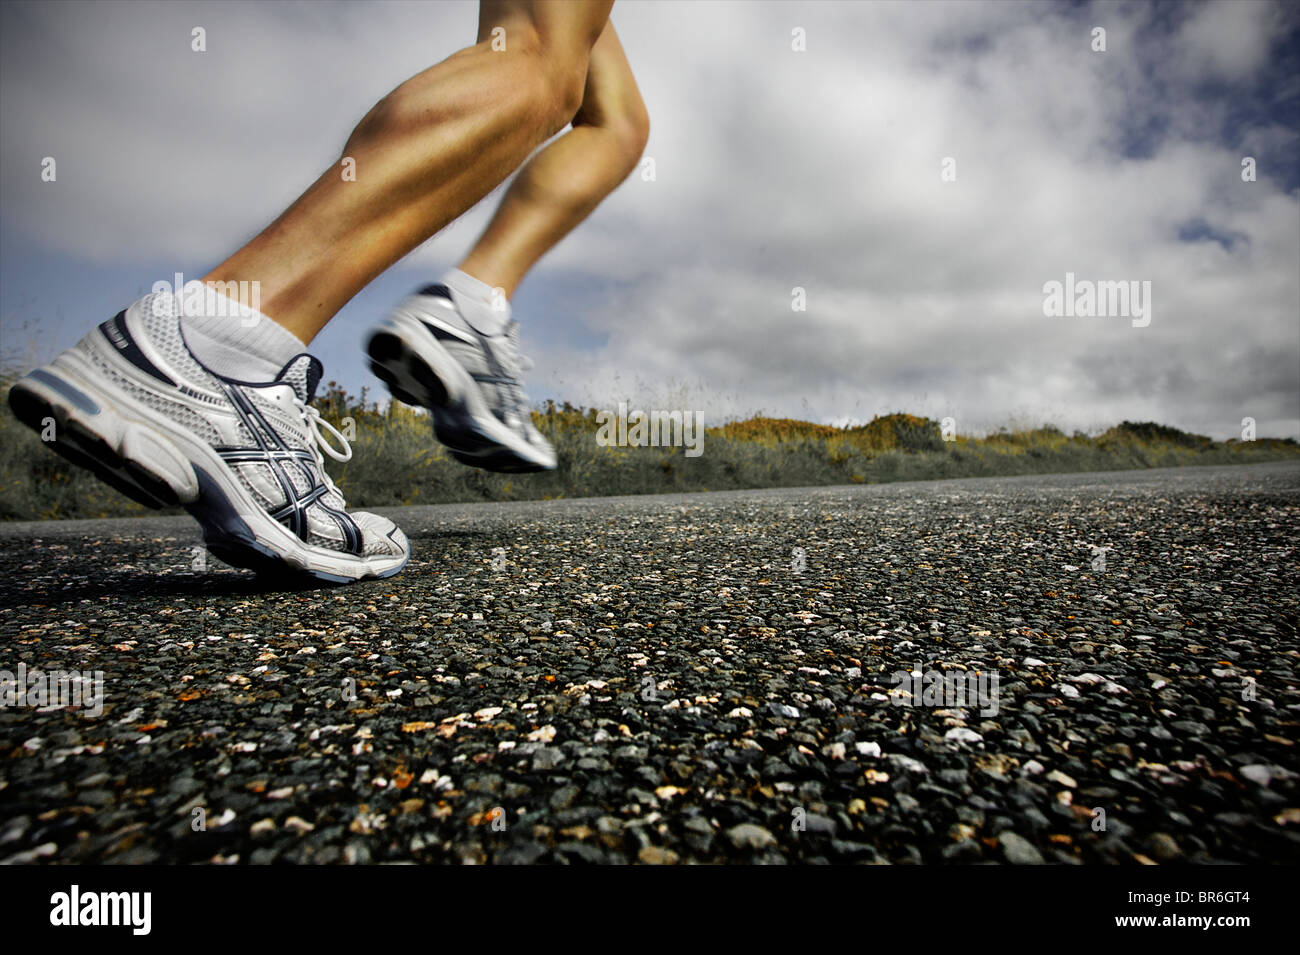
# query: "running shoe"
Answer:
x=133 y=404
x=429 y=355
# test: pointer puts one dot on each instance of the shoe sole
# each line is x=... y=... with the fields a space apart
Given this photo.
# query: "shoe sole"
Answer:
x=418 y=371
x=114 y=439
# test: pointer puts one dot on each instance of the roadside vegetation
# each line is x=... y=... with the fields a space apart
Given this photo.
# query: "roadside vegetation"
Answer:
x=396 y=461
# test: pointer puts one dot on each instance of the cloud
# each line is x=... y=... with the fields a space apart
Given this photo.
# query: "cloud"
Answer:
x=1226 y=41
x=164 y=150
x=773 y=169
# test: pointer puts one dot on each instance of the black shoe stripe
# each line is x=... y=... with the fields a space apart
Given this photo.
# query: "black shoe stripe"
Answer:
x=119 y=336
x=445 y=336
x=278 y=456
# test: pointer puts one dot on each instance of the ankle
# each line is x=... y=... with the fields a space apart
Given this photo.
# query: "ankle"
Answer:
x=235 y=340
x=484 y=306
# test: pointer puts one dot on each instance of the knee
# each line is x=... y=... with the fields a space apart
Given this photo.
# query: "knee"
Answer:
x=556 y=81
x=627 y=126
x=536 y=86
x=632 y=128
x=547 y=73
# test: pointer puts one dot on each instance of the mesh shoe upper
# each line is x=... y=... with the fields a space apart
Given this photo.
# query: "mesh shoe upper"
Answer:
x=268 y=434
x=494 y=362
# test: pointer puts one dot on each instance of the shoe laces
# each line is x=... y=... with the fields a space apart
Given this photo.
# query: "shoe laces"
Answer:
x=517 y=361
x=514 y=362
x=318 y=443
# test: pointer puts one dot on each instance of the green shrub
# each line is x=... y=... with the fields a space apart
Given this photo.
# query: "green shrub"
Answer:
x=396 y=460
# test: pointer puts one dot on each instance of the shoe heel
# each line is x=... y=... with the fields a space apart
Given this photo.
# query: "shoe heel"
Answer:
x=81 y=425
x=409 y=377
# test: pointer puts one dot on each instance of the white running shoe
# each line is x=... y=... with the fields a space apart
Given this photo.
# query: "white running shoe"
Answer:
x=131 y=402
x=430 y=355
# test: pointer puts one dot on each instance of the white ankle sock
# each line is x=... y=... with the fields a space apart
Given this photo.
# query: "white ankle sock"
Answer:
x=487 y=312
x=235 y=340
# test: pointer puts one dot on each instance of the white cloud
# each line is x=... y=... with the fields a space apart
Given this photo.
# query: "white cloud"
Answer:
x=1226 y=39
x=774 y=169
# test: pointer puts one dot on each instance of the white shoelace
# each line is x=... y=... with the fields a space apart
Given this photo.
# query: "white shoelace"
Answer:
x=314 y=423
x=515 y=364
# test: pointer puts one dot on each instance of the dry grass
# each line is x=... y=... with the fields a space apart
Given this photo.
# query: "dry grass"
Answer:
x=397 y=461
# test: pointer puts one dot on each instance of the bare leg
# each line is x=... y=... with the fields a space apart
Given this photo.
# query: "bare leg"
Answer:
x=563 y=184
x=424 y=154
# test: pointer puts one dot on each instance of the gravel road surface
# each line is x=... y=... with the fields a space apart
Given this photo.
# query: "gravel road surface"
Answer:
x=686 y=678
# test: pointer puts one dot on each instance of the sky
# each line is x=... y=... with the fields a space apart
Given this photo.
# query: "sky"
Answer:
x=915 y=175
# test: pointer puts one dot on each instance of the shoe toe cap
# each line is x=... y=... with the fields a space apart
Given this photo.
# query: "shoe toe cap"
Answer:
x=381 y=537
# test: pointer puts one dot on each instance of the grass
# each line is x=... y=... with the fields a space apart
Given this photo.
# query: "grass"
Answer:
x=396 y=460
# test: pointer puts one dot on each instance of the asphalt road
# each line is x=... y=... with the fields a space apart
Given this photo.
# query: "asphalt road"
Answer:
x=685 y=678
